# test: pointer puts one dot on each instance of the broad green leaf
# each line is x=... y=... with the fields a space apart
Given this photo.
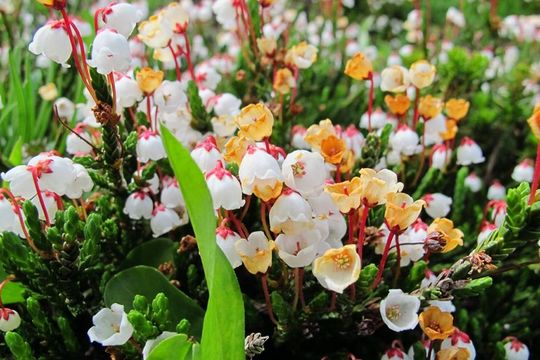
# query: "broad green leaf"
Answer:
x=176 y=347
x=12 y=292
x=223 y=332
x=152 y=253
x=16 y=156
x=147 y=281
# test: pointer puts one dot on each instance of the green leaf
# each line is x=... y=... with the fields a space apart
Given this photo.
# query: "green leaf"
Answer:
x=200 y=119
x=147 y=281
x=16 y=156
x=176 y=347
x=223 y=332
x=151 y=253
x=12 y=292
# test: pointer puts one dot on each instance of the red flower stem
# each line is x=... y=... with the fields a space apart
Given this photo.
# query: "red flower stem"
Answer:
x=536 y=177
x=416 y=101
x=350 y=217
x=362 y=231
x=267 y=145
x=149 y=110
x=370 y=99
x=237 y=224
x=264 y=282
x=176 y=65
x=333 y=301
x=302 y=300
x=295 y=88
x=383 y=259
x=246 y=207
x=96 y=20
x=338 y=173
x=188 y=56
x=297 y=287
x=40 y=197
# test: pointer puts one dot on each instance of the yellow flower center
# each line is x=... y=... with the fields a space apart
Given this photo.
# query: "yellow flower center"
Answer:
x=298 y=169
x=342 y=261
x=393 y=312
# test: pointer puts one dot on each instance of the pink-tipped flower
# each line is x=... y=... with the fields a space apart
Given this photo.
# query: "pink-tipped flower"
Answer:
x=437 y=205
x=139 y=205
x=52 y=41
x=150 y=147
x=110 y=52
x=206 y=154
x=496 y=191
x=524 y=171
x=469 y=152
x=473 y=182
x=225 y=188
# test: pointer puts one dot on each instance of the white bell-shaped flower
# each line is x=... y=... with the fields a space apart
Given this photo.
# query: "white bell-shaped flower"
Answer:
x=496 y=191
x=138 y=205
x=81 y=184
x=207 y=76
x=405 y=140
x=298 y=134
x=111 y=326
x=225 y=188
x=52 y=41
x=226 y=240
x=227 y=104
x=128 y=92
x=298 y=250
x=485 y=230
x=259 y=173
x=9 y=319
x=290 y=214
x=325 y=210
x=498 y=213
x=171 y=195
x=516 y=350
x=524 y=171
x=170 y=95
x=164 y=220
x=433 y=129
x=354 y=140
x=395 y=353
x=225 y=12
x=378 y=120
x=51 y=205
x=150 y=147
x=469 y=153
x=399 y=310
x=65 y=108
x=305 y=172
x=461 y=340
x=75 y=144
x=437 y=205
x=410 y=250
x=473 y=182
x=110 y=52
x=207 y=155
x=440 y=156
x=122 y=17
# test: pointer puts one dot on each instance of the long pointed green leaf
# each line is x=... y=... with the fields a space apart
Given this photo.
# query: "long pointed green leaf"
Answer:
x=223 y=331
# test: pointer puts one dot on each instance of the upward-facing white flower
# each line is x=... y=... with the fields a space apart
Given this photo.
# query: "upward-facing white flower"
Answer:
x=122 y=17
x=399 y=310
x=52 y=41
x=299 y=250
x=395 y=79
x=337 y=268
x=111 y=326
x=110 y=52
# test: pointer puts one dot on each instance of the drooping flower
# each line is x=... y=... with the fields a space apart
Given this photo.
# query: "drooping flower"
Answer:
x=128 y=92
x=171 y=196
x=110 y=52
x=405 y=141
x=359 y=67
x=226 y=240
x=9 y=319
x=255 y=252
x=395 y=353
x=225 y=188
x=290 y=214
x=337 y=268
x=207 y=155
x=473 y=182
x=111 y=326
x=485 y=231
x=440 y=156
x=524 y=171
x=150 y=146
x=164 y=220
x=138 y=206
x=170 y=95
x=260 y=174
x=399 y=310
x=52 y=41
x=516 y=350
x=122 y=17
x=437 y=204
x=455 y=17
x=300 y=249
x=496 y=191
x=437 y=325
x=469 y=152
